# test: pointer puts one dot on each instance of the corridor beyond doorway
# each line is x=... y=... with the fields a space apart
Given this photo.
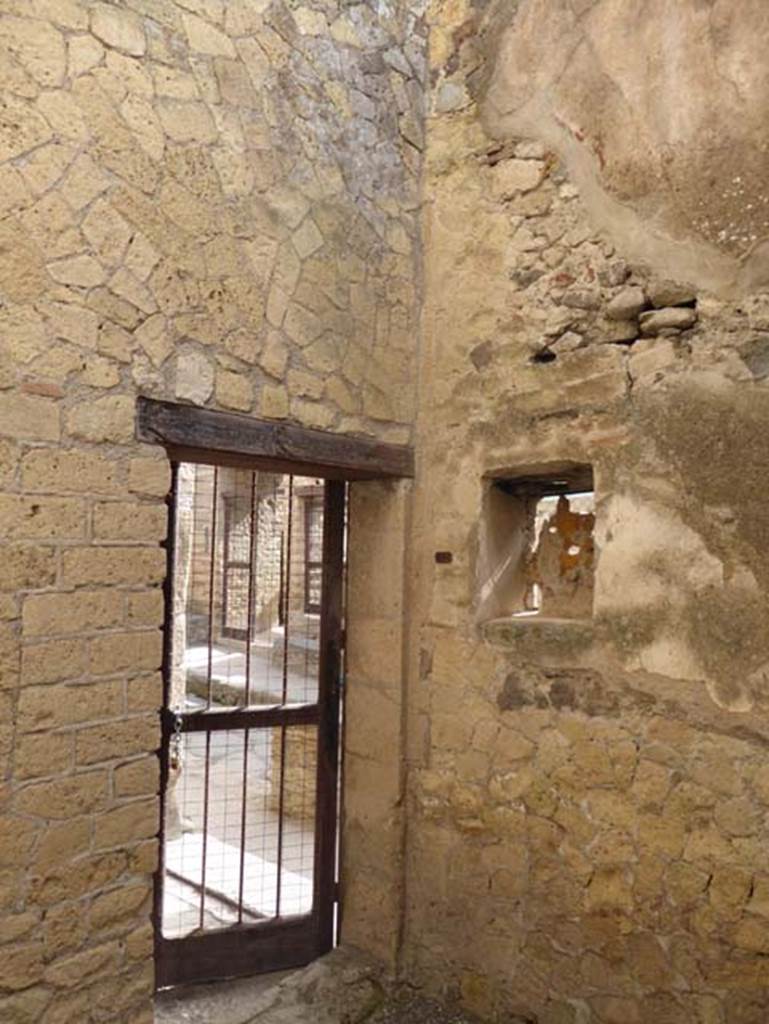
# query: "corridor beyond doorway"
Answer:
x=251 y=720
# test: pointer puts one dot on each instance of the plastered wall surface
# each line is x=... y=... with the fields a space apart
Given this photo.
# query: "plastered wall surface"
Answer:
x=202 y=201
x=587 y=813
x=625 y=91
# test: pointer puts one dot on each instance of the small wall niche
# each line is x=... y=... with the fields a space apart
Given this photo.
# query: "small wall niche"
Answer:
x=536 y=557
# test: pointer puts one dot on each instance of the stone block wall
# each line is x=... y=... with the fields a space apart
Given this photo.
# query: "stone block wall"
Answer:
x=203 y=201
x=298 y=754
x=587 y=808
x=233 y=489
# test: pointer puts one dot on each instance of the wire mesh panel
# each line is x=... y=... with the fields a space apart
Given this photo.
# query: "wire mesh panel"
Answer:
x=251 y=716
x=240 y=828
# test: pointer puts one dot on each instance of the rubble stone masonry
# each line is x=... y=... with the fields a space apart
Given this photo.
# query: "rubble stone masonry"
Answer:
x=588 y=801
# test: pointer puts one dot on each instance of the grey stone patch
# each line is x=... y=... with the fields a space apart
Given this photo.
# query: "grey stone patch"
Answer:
x=345 y=987
x=513 y=696
x=451 y=96
x=755 y=355
x=481 y=355
x=194 y=375
x=417 y=1010
x=581 y=298
x=614 y=275
x=528 y=276
x=225 y=1002
x=581 y=689
x=576 y=689
x=395 y=59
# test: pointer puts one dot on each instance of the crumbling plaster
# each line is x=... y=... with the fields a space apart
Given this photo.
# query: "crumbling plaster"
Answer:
x=587 y=802
x=657 y=108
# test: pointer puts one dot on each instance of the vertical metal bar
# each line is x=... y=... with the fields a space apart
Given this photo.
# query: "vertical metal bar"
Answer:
x=251 y=576
x=252 y=547
x=287 y=597
x=280 y=819
x=211 y=578
x=168 y=636
x=243 y=816
x=204 y=864
x=226 y=528
x=281 y=589
x=287 y=607
x=342 y=726
x=307 y=543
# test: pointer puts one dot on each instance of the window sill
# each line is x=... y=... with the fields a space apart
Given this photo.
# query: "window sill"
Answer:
x=535 y=631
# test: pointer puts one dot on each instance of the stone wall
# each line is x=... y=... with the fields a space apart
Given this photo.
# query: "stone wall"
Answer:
x=587 y=812
x=373 y=785
x=216 y=202
x=204 y=201
x=295 y=796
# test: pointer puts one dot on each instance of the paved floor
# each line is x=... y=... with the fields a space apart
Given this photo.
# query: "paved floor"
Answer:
x=264 y=680
x=415 y=1010
x=244 y=843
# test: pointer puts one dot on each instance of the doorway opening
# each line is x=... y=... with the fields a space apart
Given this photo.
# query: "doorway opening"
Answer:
x=254 y=638
x=250 y=756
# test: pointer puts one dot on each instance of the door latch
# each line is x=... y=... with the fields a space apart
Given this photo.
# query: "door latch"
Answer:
x=176 y=743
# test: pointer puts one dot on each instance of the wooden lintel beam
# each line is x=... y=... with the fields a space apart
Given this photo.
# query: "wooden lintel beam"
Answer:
x=210 y=435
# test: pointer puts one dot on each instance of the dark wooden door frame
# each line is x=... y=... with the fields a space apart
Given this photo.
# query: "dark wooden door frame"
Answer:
x=212 y=437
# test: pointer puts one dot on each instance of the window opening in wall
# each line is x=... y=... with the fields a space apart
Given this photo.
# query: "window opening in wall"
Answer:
x=559 y=565
x=537 y=551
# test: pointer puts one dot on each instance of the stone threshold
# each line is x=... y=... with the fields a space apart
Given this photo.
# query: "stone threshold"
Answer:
x=344 y=987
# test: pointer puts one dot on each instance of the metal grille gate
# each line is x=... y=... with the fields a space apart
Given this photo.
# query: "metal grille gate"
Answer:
x=249 y=766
